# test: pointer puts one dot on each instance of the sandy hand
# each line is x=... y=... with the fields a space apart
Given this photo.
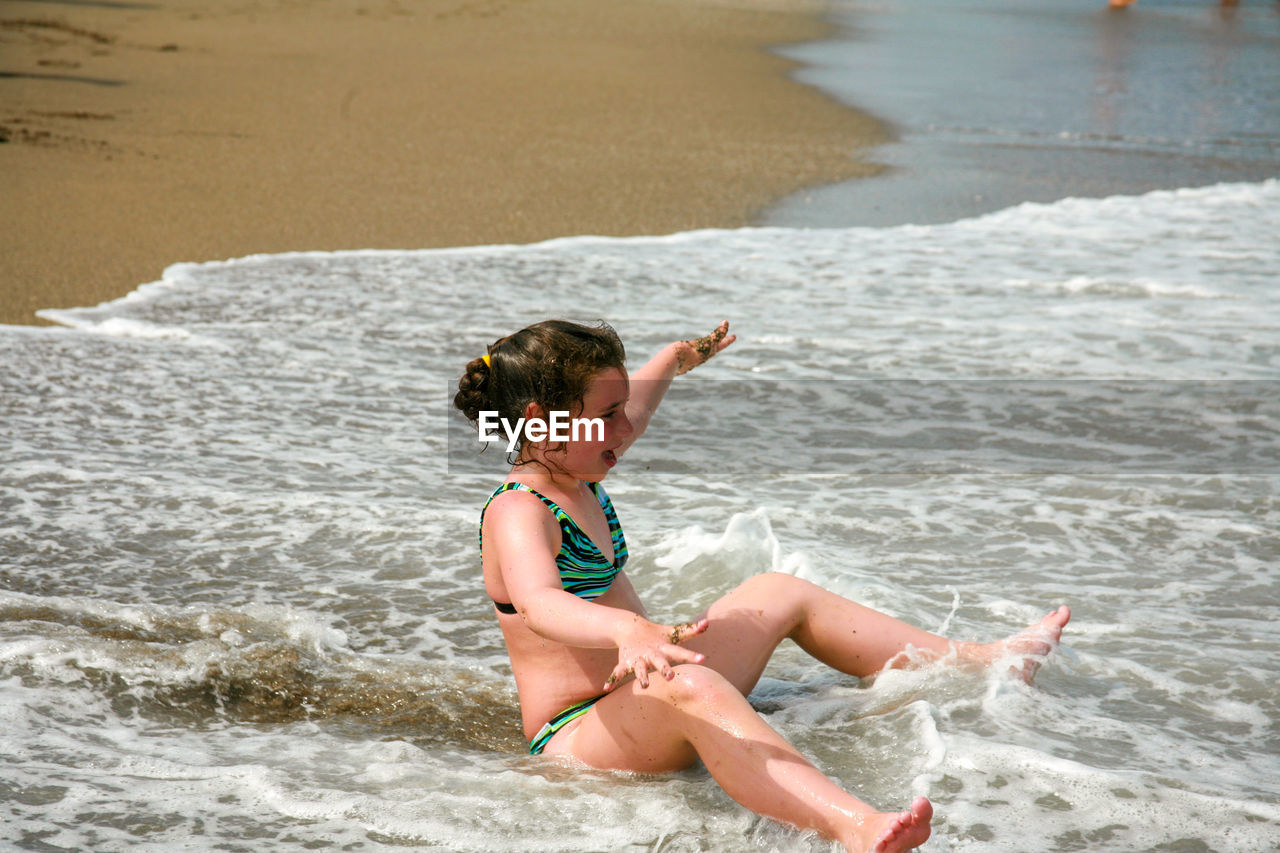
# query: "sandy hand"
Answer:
x=690 y=354
x=646 y=647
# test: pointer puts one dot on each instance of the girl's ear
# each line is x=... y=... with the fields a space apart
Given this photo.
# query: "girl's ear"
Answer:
x=532 y=410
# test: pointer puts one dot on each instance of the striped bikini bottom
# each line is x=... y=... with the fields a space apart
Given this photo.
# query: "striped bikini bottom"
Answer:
x=559 y=721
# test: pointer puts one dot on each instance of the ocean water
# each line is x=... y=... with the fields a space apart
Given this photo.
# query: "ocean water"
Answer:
x=240 y=600
x=996 y=102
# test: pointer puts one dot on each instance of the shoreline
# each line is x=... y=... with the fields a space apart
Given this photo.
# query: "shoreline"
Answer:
x=1078 y=101
x=142 y=135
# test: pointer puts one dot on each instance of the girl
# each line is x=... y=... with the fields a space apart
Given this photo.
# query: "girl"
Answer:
x=582 y=649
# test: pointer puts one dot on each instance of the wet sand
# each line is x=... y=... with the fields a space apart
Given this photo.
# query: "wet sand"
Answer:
x=140 y=134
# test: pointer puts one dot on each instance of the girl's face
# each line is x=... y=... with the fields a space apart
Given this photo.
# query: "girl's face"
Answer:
x=603 y=427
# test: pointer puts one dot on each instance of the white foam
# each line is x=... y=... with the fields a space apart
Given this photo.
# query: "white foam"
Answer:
x=180 y=514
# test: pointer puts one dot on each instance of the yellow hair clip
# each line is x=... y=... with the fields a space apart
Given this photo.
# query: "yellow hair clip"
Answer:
x=487 y=363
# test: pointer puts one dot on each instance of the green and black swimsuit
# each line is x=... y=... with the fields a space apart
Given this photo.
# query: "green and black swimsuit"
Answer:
x=584 y=571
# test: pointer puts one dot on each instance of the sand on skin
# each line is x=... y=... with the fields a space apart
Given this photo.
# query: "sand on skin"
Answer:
x=140 y=133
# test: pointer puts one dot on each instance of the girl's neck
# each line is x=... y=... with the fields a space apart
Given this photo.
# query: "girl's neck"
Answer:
x=537 y=473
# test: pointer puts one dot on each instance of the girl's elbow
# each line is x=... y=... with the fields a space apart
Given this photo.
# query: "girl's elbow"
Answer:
x=532 y=610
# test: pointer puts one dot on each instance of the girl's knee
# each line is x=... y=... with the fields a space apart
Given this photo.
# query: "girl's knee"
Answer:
x=692 y=681
x=775 y=587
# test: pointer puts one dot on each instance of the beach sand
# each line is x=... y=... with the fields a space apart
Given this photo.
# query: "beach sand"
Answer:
x=141 y=134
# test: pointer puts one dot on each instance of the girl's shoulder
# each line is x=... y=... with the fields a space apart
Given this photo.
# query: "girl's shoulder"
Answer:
x=514 y=494
x=517 y=513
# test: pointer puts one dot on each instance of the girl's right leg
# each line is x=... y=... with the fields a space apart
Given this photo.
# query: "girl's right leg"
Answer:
x=748 y=624
x=701 y=714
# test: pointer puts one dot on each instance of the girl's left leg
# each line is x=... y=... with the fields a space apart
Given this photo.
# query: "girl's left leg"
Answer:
x=698 y=713
x=749 y=623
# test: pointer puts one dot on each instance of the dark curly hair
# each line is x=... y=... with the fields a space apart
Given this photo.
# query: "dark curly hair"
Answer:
x=549 y=363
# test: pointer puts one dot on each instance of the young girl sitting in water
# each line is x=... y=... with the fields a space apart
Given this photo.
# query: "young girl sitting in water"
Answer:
x=582 y=648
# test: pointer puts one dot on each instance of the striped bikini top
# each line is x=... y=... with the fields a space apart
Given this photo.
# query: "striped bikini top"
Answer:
x=584 y=569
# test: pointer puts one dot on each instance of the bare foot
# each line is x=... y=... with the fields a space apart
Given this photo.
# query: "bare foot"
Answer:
x=891 y=833
x=1031 y=644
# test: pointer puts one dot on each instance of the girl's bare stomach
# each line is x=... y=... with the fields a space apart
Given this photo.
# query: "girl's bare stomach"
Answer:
x=550 y=677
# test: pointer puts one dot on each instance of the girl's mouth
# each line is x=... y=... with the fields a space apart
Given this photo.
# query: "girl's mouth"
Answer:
x=610 y=458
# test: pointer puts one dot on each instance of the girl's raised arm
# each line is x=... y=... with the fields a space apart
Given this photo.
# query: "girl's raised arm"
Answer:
x=649 y=383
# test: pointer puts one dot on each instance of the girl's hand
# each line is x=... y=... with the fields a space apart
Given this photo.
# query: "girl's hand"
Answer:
x=646 y=647
x=689 y=354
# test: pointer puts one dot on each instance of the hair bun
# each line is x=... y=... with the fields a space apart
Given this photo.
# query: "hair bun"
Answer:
x=473 y=389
